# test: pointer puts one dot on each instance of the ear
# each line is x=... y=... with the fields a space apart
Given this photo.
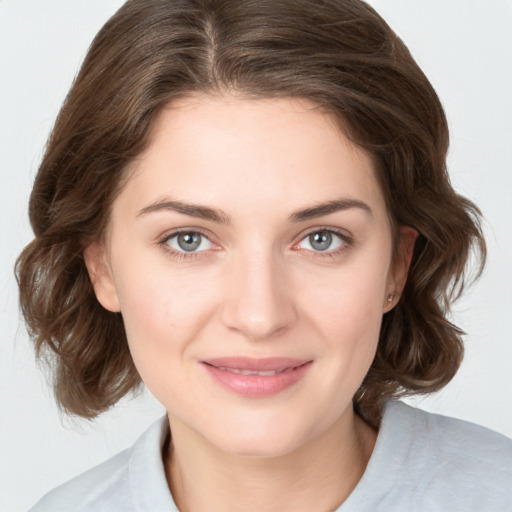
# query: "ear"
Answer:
x=98 y=267
x=398 y=274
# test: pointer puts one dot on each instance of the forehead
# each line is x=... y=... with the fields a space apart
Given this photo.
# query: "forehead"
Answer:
x=247 y=152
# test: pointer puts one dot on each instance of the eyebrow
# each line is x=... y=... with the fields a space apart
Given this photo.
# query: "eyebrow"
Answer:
x=190 y=209
x=329 y=207
x=219 y=216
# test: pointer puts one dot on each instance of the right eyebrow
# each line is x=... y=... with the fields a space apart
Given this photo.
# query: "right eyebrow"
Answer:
x=190 y=209
x=329 y=207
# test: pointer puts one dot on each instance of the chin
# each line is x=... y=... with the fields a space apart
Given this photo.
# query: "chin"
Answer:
x=272 y=437
x=259 y=448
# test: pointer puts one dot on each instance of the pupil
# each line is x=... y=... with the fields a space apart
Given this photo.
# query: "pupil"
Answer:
x=321 y=240
x=189 y=241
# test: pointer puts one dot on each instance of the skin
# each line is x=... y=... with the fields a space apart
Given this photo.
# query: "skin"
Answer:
x=255 y=287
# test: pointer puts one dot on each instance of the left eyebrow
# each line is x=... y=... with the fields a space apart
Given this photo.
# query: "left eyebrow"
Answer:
x=329 y=207
x=190 y=209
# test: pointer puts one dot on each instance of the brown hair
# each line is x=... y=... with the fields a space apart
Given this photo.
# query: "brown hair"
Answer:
x=339 y=54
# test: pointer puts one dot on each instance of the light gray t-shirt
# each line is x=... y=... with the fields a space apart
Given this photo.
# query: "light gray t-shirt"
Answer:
x=421 y=462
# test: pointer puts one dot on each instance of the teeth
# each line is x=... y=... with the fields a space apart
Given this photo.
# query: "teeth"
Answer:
x=251 y=372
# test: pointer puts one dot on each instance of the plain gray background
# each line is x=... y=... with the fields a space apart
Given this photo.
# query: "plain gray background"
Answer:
x=464 y=46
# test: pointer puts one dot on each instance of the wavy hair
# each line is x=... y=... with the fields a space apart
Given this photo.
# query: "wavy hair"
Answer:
x=341 y=55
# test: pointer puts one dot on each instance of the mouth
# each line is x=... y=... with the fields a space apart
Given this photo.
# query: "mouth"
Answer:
x=254 y=372
x=257 y=377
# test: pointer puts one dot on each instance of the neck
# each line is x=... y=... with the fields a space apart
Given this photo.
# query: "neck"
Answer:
x=317 y=476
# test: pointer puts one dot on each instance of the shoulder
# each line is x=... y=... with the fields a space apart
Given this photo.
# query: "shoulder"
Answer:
x=95 y=489
x=450 y=441
x=131 y=480
x=449 y=462
x=425 y=462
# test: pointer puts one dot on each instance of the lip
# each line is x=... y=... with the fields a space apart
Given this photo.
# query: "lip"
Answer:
x=257 y=377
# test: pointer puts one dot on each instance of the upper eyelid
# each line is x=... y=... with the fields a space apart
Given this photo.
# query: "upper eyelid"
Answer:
x=162 y=242
x=343 y=234
x=175 y=232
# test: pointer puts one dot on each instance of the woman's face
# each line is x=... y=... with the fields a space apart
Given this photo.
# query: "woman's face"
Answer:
x=250 y=256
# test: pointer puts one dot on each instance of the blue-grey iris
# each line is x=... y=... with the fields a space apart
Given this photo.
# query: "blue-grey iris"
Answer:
x=189 y=241
x=321 y=240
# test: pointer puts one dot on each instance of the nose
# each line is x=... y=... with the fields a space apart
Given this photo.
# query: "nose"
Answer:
x=259 y=302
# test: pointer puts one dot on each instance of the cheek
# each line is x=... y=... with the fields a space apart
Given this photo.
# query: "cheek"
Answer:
x=163 y=312
x=350 y=301
x=347 y=314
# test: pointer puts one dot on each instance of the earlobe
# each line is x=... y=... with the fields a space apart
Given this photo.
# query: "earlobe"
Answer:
x=98 y=267
x=398 y=277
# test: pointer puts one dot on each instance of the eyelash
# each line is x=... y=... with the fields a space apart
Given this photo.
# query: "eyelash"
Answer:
x=181 y=255
x=347 y=243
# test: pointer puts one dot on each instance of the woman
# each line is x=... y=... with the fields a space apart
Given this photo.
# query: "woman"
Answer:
x=245 y=206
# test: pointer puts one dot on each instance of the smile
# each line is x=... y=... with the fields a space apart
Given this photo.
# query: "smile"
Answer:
x=257 y=377
x=254 y=372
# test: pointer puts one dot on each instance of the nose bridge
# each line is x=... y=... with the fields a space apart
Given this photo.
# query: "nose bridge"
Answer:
x=259 y=304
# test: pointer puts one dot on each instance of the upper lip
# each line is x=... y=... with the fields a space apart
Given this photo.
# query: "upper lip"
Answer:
x=256 y=364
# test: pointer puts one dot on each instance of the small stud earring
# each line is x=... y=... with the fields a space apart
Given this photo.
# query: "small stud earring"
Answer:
x=390 y=297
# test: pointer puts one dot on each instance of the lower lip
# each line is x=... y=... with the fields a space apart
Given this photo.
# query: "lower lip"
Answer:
x=258 y=385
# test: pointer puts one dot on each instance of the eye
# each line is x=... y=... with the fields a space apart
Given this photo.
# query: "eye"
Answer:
x=189 y=241
x=321 y=241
